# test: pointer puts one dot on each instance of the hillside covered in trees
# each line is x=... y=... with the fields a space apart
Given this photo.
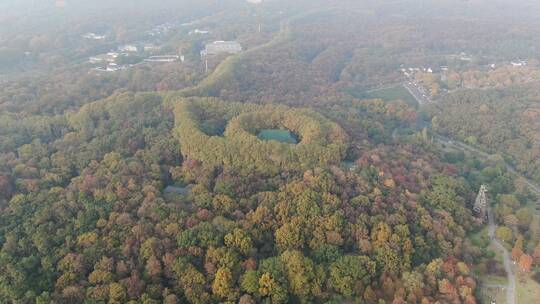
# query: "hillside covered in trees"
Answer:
x=101 y=226
x=499 y=121
x=153 y=185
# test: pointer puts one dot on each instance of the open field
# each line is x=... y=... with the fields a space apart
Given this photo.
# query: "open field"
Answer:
x=487 y=295
x=280 y=135
x=528 y=291
x=494 y=280
x=397 y=92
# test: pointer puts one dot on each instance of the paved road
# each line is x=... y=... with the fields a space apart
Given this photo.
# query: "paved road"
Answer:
x=470 y=149
x=511 y=288
x=467 y=148
x=417 y=93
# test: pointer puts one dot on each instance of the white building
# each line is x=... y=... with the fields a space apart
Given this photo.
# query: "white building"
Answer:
x=109 y=57
x=128 y=48
x=151 y=48
x=163 y=58
x=198 y=31
x=93 y=36
x=96 y=59
x=519 y=63
x=222 y=47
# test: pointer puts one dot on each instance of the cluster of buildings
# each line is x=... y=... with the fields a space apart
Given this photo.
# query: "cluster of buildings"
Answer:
x=116 y=60
x=109 y=62
x=109 y=57
x=129 y=55
x=409 y=72
x=136 y=48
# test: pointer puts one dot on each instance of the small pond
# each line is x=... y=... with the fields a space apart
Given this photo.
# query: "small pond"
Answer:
x=281 y=135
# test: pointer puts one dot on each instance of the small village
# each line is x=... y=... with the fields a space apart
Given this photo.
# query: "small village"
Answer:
x=426 y=83
x=150 y=51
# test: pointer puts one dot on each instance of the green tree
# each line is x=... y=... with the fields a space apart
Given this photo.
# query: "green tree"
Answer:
x=504 y=233
x=349 y=271
x=250 y=282
x=117 y=292
x=302 y=276
x=268 y=287
x=525 y=217
x=240 y=240
x=223 y=285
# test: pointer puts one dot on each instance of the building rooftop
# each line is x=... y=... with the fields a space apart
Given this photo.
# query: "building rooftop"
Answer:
x=221 y=47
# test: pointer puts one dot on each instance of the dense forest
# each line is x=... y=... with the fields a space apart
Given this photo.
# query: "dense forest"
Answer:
x=88 y=212
x=500 y=121
x=225 y=134
x=151 y=185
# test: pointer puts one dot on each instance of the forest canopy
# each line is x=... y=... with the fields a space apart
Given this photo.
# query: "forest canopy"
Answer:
x=225 y=133
x=151 y=183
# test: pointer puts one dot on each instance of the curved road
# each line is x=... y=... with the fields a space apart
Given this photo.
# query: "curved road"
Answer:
x=511 y=287
x=470 y=149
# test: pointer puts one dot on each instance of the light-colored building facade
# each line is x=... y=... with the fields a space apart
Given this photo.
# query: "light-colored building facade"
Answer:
x=222 y=47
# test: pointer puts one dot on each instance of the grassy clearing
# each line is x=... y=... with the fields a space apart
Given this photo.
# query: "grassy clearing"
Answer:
x=487 y=295
x=494 y=280
x=284 y=136
x=397 y=92
x=528 y=291
x=488 y=292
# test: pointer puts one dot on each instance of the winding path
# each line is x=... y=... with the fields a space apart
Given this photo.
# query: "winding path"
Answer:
x=511 y=288
x=470 y=149
x=228 y=66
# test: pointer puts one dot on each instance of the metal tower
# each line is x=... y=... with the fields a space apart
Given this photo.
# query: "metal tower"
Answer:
x=480 y=205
